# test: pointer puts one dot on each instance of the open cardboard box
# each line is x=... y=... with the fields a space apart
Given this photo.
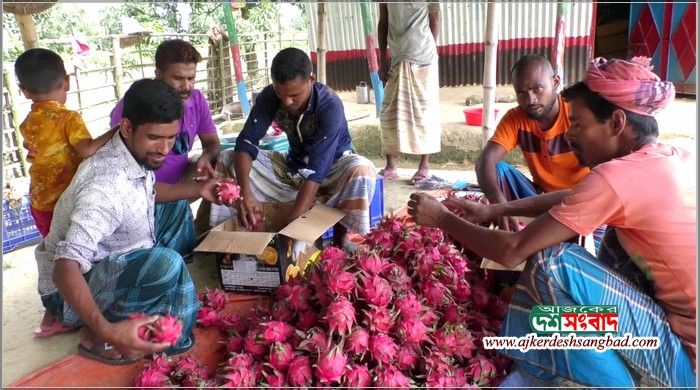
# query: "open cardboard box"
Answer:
x=490 y=264
x=258 y=262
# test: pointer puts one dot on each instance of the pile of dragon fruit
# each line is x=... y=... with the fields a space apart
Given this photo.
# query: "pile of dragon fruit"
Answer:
x=406 y=309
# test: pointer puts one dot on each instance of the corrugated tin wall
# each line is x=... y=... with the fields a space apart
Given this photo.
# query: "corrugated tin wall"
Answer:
x=524 y=28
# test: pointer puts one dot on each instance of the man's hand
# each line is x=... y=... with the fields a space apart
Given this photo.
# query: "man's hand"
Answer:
x=248 y=211
x=508 y=224
x=204 y=169
x=473 y=212
x=426 y=210
x=208 y=191
x=384 y=69
x=124 y=337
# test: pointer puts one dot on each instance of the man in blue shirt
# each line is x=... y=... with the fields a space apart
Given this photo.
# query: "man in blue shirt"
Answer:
x=320 y=162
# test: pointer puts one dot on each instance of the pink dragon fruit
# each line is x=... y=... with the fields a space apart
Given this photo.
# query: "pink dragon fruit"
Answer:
x=216 y=299
x=379 y=319
x=227 y=322
x=453 y=314
x=234 y=343
x=480 y=297
x=478 y=321
x=333 y=254
x=429 y=317
x=397 y=277
x=283 y=291
x=331 y=365
x=239 y=377
x=281 y=355
x=426 y=261
x=197 y=378
x=483 y=372
x=228 y=191
x=376 y=291
x=435 y=293
x=341 y=284
x=332 y=261
x=281 y=311
x=446 y=274
x=316 y=340
x=390 y=377
x=323 y=298
x=464 y=342
x=381 y=241
x=183 y=365
x=357 y=343
x=411 y=331
x=208 y=317
x=370 y=262
x=392 y=224
x=300 y=373
x=357 y=377
x=407 y=304
x=239 y=360
x=275 y=379
x=436 y=380
x=444 y=339
x=275 y=331
x=148 y=379
x=436 y=361
x=161 y=363
x=407 y=358
x=166 y=329
x=300 y=298
x=252 y=346
x=462 y=291
x=497 y=309
x=382 y=348
x=340 y=316
x=307 y=320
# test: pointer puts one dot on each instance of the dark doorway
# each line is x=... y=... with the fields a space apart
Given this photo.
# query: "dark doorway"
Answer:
x=612 y=27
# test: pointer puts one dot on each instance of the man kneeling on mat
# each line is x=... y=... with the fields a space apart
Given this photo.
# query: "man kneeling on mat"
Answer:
x=112 y=251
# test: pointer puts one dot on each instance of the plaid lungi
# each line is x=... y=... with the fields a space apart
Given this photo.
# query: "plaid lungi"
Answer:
x=566 y=274
x=410 y=112
x=150 y=280
x=349 y=186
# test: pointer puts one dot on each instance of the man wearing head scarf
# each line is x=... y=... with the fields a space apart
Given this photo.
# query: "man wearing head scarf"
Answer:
x=645 y=192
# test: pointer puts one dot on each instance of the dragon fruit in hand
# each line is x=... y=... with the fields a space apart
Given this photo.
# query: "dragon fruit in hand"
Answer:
x=228 y=191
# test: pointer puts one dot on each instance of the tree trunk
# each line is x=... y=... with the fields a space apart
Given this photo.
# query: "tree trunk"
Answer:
x=28 y=31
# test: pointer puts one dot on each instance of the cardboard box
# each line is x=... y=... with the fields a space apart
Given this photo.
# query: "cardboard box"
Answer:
x=258 y=262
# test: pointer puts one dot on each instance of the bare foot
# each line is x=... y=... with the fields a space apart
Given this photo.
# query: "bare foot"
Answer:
x=389 y=174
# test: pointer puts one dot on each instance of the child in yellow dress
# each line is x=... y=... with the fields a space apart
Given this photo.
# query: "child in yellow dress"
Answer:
x=56 y=139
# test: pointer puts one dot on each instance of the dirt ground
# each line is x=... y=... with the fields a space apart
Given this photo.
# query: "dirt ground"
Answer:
x=21 y=308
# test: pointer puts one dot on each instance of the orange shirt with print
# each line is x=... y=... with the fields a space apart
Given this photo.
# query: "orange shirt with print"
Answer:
x=649 y=196
x=50 y=134
x=549 y=158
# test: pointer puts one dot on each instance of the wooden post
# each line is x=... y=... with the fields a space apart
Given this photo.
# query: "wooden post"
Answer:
x=28 y=31
x=77 y=85
x=557 y=58
x=493 y=15
x=11 y=88
x=222 y=70
x=321 y=50
x=117 y=65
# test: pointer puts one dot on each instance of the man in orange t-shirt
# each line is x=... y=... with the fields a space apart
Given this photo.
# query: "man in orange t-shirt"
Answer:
x=645 y=192
x=537 y=126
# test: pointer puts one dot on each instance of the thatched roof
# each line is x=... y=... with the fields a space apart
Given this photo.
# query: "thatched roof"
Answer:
x=26 y=7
